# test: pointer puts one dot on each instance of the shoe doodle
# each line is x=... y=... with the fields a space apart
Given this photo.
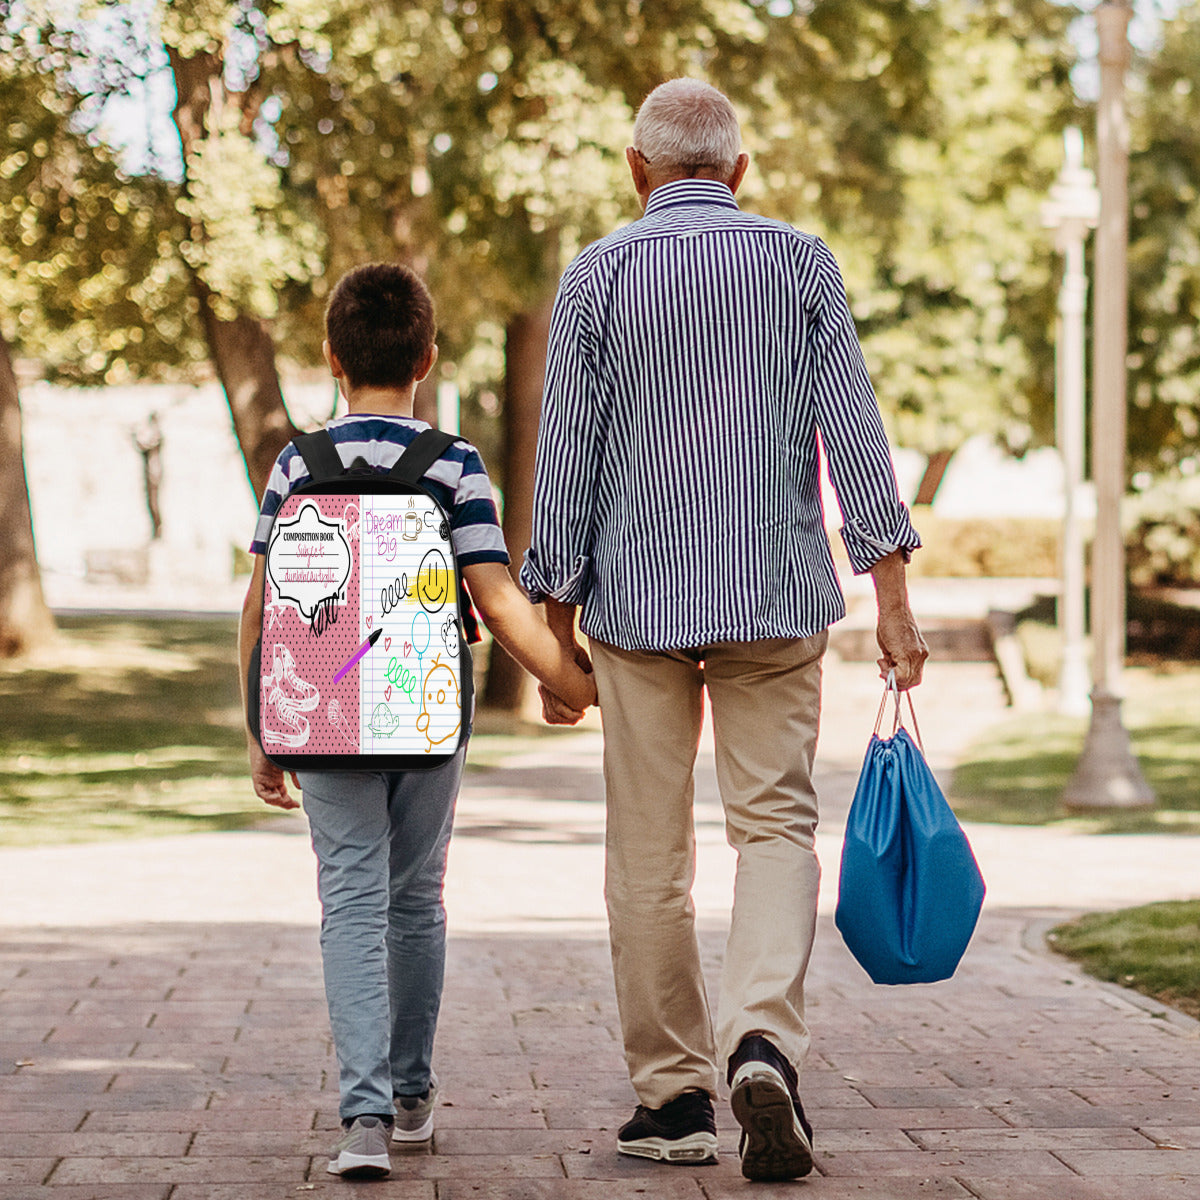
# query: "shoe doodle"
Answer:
x=286 y=696
x=339 y=722
x=440 y=704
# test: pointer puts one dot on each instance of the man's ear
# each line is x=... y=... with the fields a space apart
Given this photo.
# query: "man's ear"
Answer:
x=426 y=365
x=739 y=172
x=637 y=168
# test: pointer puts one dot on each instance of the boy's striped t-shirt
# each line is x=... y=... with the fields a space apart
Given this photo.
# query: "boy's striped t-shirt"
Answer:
x=458 y=481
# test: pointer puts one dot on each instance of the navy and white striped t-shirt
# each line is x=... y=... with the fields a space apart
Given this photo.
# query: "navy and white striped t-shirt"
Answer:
x=696 y=357
x=458 y=481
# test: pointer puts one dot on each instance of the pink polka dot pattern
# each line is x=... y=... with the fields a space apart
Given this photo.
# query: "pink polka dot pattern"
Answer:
x=318 y=650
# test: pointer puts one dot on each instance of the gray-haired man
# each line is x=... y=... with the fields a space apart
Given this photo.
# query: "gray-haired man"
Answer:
x=695 y=358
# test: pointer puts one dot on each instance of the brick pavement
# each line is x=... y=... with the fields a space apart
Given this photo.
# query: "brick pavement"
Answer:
x=155 y=1055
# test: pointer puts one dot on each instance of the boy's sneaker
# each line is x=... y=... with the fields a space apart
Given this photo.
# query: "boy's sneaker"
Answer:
x=682 y=1131
x=776 y=1136
x=414 y=1116
x=362 y=1150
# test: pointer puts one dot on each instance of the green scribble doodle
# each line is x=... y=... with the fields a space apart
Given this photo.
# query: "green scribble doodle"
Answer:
x=383 y=721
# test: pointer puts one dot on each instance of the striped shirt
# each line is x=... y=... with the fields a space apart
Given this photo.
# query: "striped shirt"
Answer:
x=698 y=357
x=458 y=481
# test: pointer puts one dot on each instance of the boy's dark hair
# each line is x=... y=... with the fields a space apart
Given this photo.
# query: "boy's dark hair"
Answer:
x=380 y=324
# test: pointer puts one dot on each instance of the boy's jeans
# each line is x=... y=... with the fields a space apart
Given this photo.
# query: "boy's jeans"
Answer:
x=381 y=840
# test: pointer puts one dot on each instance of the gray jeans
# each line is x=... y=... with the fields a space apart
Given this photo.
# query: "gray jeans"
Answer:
x=380 y=841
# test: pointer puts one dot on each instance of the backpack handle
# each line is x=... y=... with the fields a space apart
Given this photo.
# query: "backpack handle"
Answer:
x=323 y=461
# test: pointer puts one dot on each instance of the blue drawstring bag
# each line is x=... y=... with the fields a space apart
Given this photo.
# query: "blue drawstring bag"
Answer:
x=909 y=891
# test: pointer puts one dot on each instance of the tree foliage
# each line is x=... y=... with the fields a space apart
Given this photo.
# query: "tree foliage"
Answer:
x=483 y=143
x=90 y=283
x=1164 y=248
x=957 y=311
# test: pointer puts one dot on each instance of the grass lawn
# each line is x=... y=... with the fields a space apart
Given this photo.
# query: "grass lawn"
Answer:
x=1016 y=772
x=126 y=727
x=133 y=726
x=1154 y=949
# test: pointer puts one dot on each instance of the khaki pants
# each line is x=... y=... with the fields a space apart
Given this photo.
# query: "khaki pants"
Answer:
x=765 y=699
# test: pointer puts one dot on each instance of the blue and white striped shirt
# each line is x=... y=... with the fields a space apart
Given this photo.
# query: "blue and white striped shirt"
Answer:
x=458 y=481
x=696 y=358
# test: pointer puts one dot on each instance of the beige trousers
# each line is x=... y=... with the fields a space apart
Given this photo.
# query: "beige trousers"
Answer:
x=765 y=699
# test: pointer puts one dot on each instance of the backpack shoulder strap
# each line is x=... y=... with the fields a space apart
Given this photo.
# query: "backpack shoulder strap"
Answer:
x=320 y=455
x=425 y=449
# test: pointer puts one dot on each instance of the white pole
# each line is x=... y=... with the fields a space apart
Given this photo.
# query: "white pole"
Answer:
x=1072 y=307
x=1108 y=776
x=448 y=407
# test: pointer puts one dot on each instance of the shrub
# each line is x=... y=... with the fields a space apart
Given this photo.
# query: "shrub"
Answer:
x=974 y=548
x=1162 y=533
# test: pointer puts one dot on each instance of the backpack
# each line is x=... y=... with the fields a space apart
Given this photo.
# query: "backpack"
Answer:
x=362 y=661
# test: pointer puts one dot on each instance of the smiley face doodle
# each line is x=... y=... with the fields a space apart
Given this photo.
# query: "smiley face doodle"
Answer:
x=441 y=704
x=433 y=581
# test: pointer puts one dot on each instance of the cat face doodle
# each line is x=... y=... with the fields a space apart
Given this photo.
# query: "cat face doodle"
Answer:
x=450 y=636
x=441 y=704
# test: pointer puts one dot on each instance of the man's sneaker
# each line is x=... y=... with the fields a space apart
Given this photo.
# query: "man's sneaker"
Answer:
x=362 y=1150
x=682 y=1131
x=776 y=1136
x=414 y=1116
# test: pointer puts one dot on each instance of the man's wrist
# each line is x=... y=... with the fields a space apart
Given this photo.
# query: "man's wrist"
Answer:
x=561 y=619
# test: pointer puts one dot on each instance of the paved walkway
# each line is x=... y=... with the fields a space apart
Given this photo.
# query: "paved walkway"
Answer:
x=163 y=1033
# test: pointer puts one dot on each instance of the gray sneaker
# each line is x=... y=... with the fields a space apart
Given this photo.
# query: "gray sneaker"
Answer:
x=362 y=1151
x=414 y=1115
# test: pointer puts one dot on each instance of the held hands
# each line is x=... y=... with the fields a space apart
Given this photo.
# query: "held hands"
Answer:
x=559 y=711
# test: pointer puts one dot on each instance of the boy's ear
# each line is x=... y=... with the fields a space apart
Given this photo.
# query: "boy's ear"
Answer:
x=335 y=367
x=426 y=365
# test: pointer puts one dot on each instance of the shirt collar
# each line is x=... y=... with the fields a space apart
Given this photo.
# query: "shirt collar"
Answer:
x=690 y=191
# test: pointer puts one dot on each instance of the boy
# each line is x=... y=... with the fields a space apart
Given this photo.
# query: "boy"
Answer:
x=381 y=837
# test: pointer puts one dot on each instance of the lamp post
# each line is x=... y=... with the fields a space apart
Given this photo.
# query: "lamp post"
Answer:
x=1107 y=775
x=1072 y=210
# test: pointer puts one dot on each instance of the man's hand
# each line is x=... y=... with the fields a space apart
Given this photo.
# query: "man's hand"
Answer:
x=269 y=783
x=904 y=649
x=561 y=619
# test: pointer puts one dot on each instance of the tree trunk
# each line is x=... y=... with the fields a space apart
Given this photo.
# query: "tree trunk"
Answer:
x=25 y=621
x=241 y=350
x=526 y=340
x=244 y=357
x=935 y=468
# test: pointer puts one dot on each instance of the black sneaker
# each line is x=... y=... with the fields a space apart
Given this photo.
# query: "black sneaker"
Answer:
x=682 y=1131
x=776 y=1136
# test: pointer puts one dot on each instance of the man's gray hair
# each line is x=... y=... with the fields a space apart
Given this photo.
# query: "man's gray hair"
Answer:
x=685 y=124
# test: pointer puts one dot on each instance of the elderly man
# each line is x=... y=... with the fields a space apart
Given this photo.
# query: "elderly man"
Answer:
x=697 y=357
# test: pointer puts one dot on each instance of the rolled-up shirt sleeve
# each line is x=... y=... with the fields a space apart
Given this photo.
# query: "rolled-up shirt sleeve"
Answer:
x=558 y=561
x=875 y=520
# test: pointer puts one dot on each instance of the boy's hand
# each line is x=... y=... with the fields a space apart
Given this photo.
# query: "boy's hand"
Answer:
x=269 y=783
